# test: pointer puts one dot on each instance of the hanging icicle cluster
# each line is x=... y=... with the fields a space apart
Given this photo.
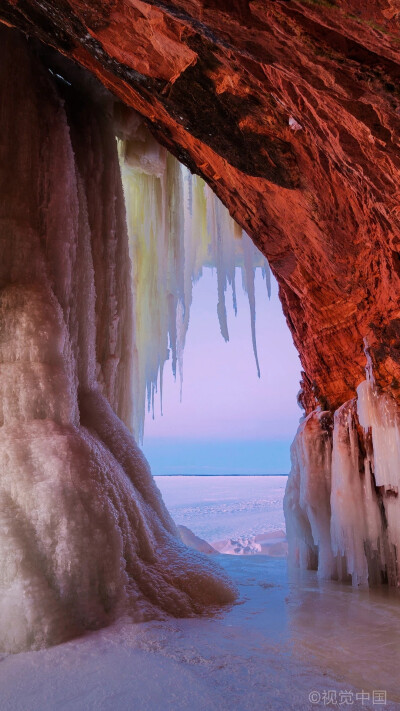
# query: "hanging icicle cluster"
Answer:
x=342 y=497
x=176 y=227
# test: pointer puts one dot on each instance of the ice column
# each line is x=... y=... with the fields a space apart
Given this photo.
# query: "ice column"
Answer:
x=356 y=521
x=379 y=415
x=84 y=534
x=307 y=498
x=341 y=503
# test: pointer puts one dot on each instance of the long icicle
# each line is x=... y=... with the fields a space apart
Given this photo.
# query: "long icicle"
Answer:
x=177 y=226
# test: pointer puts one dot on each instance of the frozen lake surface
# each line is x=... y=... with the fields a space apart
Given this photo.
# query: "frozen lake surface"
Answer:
x=221 y=507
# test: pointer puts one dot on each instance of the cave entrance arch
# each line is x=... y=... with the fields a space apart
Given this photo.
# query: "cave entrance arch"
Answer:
x=67 y=374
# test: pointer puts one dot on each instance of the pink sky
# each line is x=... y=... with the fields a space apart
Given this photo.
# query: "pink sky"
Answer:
x=223 y=399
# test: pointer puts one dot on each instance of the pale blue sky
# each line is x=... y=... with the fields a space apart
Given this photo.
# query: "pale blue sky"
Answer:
x=229 y=420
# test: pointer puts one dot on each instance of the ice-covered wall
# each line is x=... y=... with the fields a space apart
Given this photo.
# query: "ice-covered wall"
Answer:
x=342 y=504
x=84 y=534
x=177 y=226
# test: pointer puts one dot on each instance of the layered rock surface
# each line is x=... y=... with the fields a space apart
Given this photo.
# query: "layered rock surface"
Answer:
x=291 y=112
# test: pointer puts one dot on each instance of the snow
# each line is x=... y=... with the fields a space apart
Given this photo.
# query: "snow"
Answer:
x=295 y=125
x=234 y=515
x=286 y=638
x=269 y=543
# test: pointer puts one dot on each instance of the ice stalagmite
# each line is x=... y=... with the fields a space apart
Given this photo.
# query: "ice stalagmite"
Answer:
x=177 y=226
x=84 y=534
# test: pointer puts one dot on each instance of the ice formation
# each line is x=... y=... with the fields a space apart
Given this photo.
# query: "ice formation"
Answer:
x=193 y=541
x=271 y=543
x=306 y=503
x=341 y=504
x=177 y=226
x=84 y=534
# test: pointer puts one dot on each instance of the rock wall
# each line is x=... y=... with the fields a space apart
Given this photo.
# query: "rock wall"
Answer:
x=291 y=111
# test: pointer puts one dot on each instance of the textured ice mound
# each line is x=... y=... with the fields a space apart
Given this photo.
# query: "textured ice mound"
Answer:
x=81 y=542
x=84 y=534
x=271 y=543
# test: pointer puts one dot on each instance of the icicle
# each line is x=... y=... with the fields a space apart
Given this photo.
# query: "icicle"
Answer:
x=379 y=414
x=355 y=515
x=161 y=386
x=266 y=272
x=379 y=411
x=177 y=226
x=217 y=245
x=234 y=300
x=248 y=280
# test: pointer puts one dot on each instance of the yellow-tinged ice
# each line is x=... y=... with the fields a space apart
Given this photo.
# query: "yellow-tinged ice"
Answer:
x=177 y=226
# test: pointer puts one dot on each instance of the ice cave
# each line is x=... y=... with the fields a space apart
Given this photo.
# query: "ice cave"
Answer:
x=140 y=143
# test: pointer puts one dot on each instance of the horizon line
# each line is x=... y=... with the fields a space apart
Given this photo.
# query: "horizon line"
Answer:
x=205 y=475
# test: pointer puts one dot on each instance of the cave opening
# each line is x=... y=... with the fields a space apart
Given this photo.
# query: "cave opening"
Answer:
x=210 y=451
x=198 y=283
x=220 y=455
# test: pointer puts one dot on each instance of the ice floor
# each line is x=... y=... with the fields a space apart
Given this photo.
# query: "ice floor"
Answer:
x=286 y=638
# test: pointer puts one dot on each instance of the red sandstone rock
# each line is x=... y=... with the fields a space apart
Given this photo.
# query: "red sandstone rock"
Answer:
x=291 y=111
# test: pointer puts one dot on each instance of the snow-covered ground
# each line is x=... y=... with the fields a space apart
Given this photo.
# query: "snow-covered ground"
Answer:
x=288 y=636
x=233 y=513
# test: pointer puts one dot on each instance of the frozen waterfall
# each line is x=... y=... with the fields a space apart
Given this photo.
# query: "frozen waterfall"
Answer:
x=177 y=226
x=84 y=534
x=342 y=504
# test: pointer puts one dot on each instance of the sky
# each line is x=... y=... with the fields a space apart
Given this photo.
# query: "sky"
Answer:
x=229 y=420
